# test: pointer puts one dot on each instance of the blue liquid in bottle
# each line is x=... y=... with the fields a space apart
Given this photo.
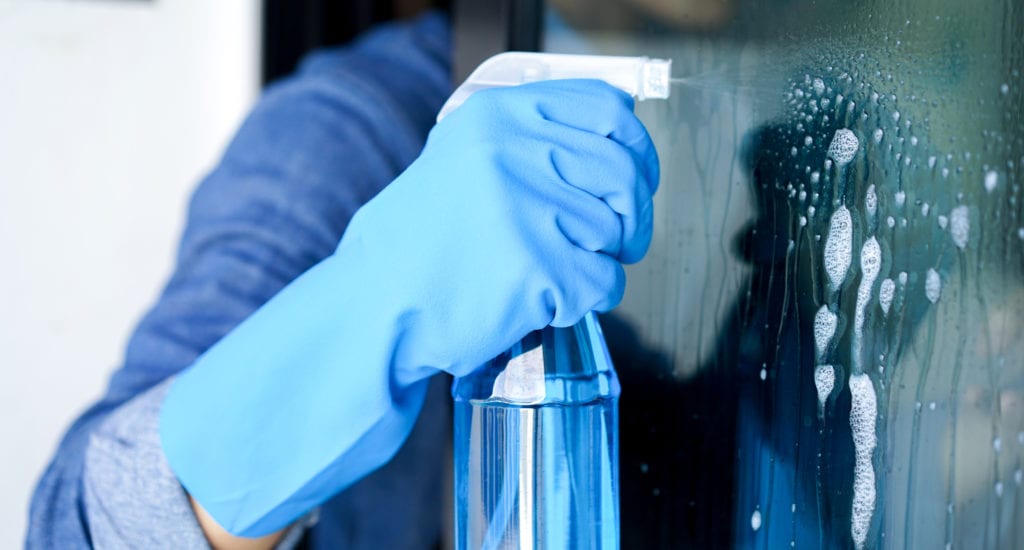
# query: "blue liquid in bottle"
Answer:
x=536 y=445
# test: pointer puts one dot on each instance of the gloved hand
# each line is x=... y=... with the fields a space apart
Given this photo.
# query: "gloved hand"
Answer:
x=515 y=216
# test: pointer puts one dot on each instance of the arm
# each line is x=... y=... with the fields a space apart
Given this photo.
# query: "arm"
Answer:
x=314 y=149
x=220 y=539
x=517 y=215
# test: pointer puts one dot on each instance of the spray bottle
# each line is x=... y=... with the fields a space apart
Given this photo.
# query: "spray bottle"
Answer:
x=536 y=429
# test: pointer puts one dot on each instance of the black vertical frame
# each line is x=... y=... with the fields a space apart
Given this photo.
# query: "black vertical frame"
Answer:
x=293 y=27
x=483 y=28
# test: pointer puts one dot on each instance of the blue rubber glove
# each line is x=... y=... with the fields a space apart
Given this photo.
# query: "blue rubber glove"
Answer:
x=518 y=214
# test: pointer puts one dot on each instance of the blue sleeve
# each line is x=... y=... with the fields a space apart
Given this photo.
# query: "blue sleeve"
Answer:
x=315 y=148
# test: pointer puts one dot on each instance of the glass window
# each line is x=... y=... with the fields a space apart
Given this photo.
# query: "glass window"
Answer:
x=825 y=345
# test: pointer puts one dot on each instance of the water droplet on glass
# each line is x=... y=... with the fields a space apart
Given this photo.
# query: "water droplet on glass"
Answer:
x=886 y=292
x=824 y=382
x=839 y=247
x=932 y=285
x=959 y=226
x=991 y=180
x=844 y=146
x=870 y=264
x=863 y=418
x=825 y=323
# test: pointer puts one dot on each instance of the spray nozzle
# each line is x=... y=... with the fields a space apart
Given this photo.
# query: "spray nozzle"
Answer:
x=641 y=77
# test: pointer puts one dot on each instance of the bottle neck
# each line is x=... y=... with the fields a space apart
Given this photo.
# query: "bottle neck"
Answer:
x=552 y=366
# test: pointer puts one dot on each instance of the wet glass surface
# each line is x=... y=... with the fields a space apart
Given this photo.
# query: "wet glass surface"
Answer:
x=825 y=345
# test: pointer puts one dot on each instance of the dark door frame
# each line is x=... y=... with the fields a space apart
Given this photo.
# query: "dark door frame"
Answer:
x=483 y=28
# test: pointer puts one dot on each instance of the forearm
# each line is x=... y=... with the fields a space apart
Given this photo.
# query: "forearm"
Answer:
x=220 y=539
x=315 y=148
x=132 y=499
x=321 y=351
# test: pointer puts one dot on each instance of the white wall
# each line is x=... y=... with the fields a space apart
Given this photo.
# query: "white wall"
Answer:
x=109 y=113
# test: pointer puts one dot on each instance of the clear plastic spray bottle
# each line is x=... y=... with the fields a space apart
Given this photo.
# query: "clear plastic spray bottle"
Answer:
x=536 y=429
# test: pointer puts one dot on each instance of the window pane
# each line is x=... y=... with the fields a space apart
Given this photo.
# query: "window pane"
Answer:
x=825 y=344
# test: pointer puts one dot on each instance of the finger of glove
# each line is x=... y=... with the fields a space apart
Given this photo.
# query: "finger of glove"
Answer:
x=604 y=169
x=596 y=107
x=586 y=221
x=588 y=281
x=580 y=217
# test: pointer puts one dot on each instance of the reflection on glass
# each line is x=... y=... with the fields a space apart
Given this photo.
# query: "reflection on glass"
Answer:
x=824 y=346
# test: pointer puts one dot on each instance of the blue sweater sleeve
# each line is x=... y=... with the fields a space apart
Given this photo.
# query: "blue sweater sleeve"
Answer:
x=315 y=148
